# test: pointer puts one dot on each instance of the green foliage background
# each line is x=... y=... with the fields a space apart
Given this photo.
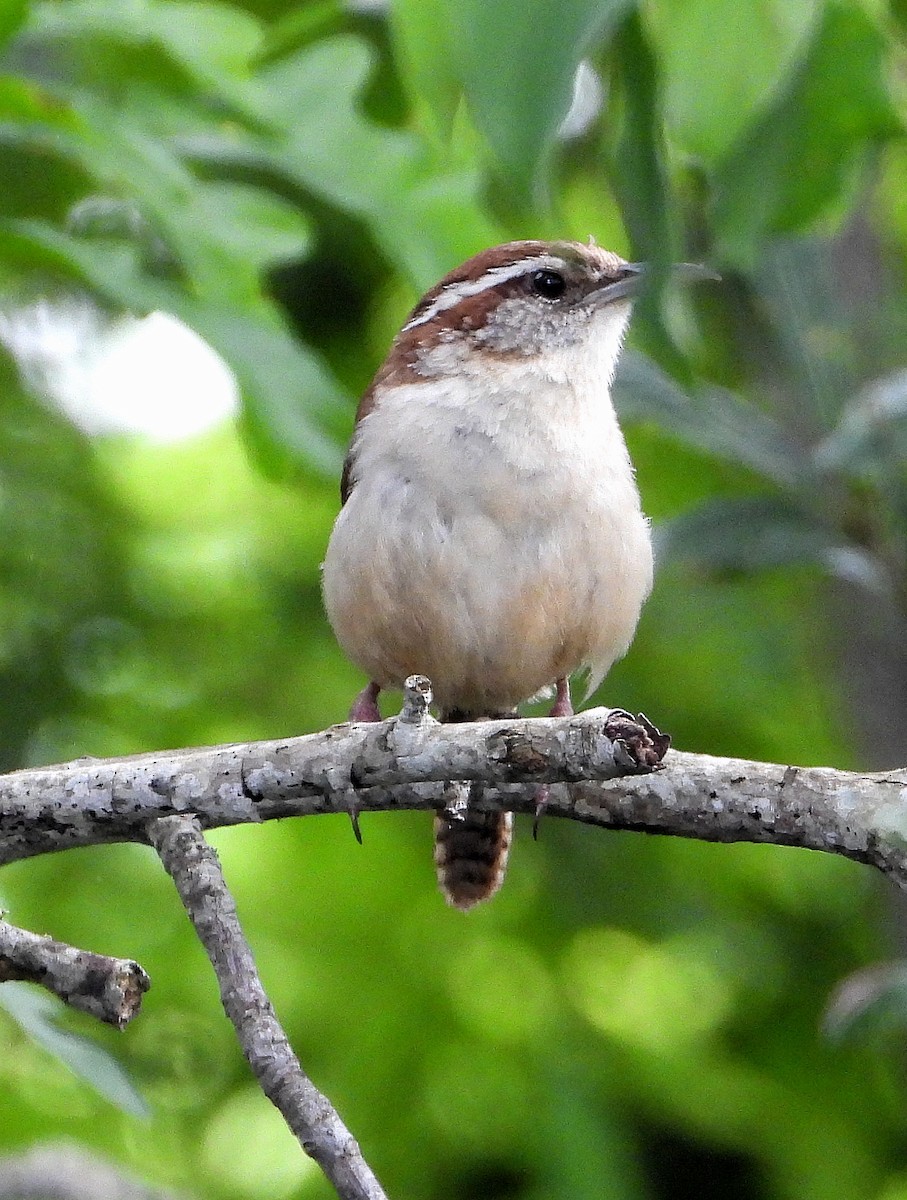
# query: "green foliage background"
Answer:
x=633 y=1017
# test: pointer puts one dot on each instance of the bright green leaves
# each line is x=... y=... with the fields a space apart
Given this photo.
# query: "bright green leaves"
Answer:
x=222 y=137
x=311 y=99
x=12 y=14
x=177 y=169
x=215 y=42
x=196 y=50
x=517 y=62
x=721 y=67
x=774 y=101
x=138 y=225
x=289 y=397
x=423 y=32
x=252 y=226
x=384 y=175
x=514 y=63
x=800 y=160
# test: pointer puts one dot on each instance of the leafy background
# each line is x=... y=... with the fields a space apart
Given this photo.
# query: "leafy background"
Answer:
x=633 y=1017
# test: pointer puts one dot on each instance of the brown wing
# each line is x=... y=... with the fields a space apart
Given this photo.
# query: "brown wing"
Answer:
x=366 y=404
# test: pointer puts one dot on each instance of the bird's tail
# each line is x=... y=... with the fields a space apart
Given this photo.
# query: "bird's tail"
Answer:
x=471 y=855
x=471 y=847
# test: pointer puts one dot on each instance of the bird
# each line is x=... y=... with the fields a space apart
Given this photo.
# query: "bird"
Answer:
x=491 y=535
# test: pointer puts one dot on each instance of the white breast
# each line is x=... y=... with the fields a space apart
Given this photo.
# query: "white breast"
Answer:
x=493 y=539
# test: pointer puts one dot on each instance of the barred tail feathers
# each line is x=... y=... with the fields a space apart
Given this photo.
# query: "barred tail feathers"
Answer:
x=471 y=847
x=471 y=855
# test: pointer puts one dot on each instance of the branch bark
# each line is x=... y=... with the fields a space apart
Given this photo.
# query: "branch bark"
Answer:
x=194 y=867
x=92 y=801
x=590 y=773
x=403 y=764
x=110 y=989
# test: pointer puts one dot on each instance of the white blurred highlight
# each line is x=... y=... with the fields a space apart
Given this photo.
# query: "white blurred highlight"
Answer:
x=588 y=100
x=153 y=376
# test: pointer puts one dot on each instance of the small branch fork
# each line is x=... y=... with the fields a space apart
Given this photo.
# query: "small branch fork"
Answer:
x=601 y=767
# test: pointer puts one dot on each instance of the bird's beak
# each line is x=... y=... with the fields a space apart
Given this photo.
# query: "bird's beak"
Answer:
x=694 y=273
x=634 y=275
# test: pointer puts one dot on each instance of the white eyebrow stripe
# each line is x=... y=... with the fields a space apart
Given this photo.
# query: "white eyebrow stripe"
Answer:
x=453 y=293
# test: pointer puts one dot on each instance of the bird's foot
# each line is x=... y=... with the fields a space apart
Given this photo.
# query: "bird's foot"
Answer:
x=365 y=706
x=563 y=705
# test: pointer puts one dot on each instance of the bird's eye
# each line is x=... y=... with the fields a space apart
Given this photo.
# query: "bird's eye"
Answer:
x=550 y=285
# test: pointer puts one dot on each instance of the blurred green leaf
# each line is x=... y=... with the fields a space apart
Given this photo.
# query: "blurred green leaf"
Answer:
x=639 y=170
x=641 y=181
x=252 y=225
x=213 y=44
x=300 y=25
x=289 y=395
x=712 y=419
x=517 y=60
x=217 y=41
x=425 y=39
x=313 y=106
x=824 y=123
x=754 y=533
x=870 y=439
x=291 y=398
x=720 y=71
x=38 y=1014
x=422 y=212
x=12 y=14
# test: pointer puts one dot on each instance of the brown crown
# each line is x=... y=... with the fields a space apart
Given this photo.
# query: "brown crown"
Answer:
x=471 y=311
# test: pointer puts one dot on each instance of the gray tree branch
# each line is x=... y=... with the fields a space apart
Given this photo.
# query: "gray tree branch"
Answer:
x=110 y=989
x=592 y=770
x=91 y=801
x=406 y=763
x=194 y=867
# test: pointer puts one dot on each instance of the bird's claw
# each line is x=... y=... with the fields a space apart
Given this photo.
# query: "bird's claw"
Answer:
x=353 y=810
x=541 y=803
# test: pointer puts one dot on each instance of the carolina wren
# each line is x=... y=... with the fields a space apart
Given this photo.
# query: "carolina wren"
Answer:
x=491 y=535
